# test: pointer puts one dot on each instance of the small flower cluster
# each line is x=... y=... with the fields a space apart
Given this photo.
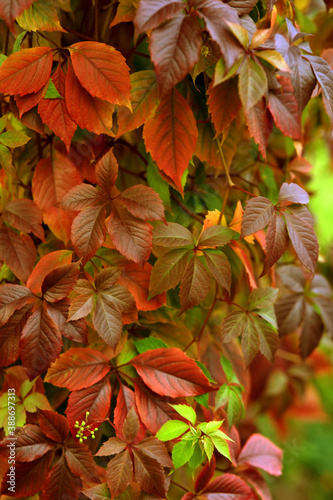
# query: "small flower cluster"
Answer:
x=83 y=427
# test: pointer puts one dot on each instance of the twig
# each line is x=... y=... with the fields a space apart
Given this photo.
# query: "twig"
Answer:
x=198 y=337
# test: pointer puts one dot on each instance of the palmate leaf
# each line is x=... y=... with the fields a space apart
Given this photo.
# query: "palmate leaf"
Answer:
x=175 y=48
x=149 y=473
x=31 y=444
x=171 y=136
x=28 y=101
x=276 y=242
x=283 y=106
x=78 y=368
x=172 y=429
x=227 y=486
x=150 y=14
x=54 y=112
x=312 y=331
x=61 y=482
x=12 y=297
x=41 y=15
x=18 y=252
x=260 y=452
x=169 y=372
x=88 y=231
x=25 y=216
x=144 y=100
x=260 y=124
x=119 y=473
x=258 y=213
x=26 y=71
x=30 y=476
x=88 y=112
x=143 y=202
x=102 y=71
x=168 y=271
x=80 y=461
x=218 y=95
x=9 y=10
x=195 y=284
x=59 y=282
x=252 y=83
x=219 y=267
x=136 y=279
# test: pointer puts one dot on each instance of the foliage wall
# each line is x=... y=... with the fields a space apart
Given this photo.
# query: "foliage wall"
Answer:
x=163 y=293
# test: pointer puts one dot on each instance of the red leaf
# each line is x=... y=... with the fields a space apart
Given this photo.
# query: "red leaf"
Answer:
x=260 y=125
x=144 y=99
x=10 y=10
x=125 y=401
x=259 y=451
x=154 y=410
x=136 y=280
x=143 y=202
x=205 y=475
x=258 y=483
x=87 y=111
x=218 y=96
x=102 y=71
x=59 y=282
x=107 y=171
x=131 y=425
x=73 y=330
x=18 y=252
x=40 y=343
x=154 y=448
x=175 y=48
x=293 y=193
x=29 y=477
x=242 y=6
x=88 y=231
x=112 y=446
x=107 y=321
x=80 y=461
x=171 y=136
x=80 y=197
x=216 y=14
x=150 y=14
x=10 y=335
x=25 y=216
x=54 y=112
x=312 y=331
x=229 y=487
x=302 y=235
x=46 y=264
x=30 y=444
x=81 y=306
x=27 y=102
x=78 y=368
x=276 y=242
x=289 y=312
x=119 y=473
x=61 y=483
x=283 y=106
x=257 y=214
x=95 y=399
x=149 y=474
x=12 y=297
x=245 y=258
x=169 y=372
x=131 y=237
x=26 y=71
x=54 y=425
x=195 y=284
x=52 y=180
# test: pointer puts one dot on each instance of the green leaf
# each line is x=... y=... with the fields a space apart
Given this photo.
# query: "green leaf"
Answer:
x=196 y=458
x=26 y=387
x=208 y=427
x=148 y=344
x=261 y=298
x=171 y=430
x=205 y=370
x=168 y=271
x=222 y=396
x=14 y=139
x=186 y=412
x=217 y=236
x=252 y=83
x=182 y=452
x=3 y=122
x=159 y=185
x=236 y=409
x=208 y=447
x=18 y=41
x=202 y=400
x=34 y=401
x=221 y=445
x=227 y=367
x=2 y=58
x=52 y=92
x=6 y=161
x=268 y=313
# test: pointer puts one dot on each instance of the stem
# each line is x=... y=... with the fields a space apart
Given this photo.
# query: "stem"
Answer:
x=80 y=35
x=184 y=207
x=48 y=39
x=134 y=149
x=179 y=486
x=243 y=190
x=288 y=356
x=198 y=337
x=226 y=168
x=96 y=19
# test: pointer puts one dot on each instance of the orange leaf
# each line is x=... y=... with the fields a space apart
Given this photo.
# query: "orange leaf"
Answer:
x=136 y=280
x=26 y=71
x=171 y=136
x=102 y=71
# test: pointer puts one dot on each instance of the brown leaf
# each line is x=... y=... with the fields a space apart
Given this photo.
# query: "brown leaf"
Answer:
x=276 y=242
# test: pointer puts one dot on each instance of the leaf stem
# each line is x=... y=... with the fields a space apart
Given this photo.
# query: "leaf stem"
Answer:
x=184 y=207
x=48 y=39
x=198 y=337
x=226 y=168
x=179 y=486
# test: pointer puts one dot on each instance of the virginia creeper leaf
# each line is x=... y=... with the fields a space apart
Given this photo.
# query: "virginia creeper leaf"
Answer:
x=195 y=284
x=258 y=213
